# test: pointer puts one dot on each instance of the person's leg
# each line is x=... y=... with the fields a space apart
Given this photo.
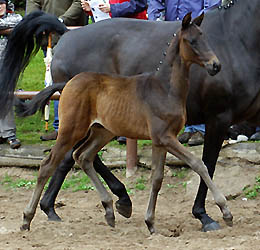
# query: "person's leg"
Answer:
x=197 y=137
x=8 y=130
x=256 y=135
x=186 y=135
x=52 y=135
x=198 y=128
x=56 y=115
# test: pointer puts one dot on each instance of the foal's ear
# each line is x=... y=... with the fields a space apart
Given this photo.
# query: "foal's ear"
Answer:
x=198 y=20
x=186 y=21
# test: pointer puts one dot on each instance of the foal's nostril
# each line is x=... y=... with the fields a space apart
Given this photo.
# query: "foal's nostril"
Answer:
x=216 y=66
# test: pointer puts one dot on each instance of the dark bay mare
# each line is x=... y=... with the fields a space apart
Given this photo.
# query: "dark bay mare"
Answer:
x=95 y=106
x=220 y=101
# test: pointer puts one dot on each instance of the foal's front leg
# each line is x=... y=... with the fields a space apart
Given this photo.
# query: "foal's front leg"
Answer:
x=176 y=148
x=158 y=159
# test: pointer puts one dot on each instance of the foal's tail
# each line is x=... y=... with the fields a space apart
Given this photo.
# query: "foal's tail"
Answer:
x=38 y=102
x=23 y=43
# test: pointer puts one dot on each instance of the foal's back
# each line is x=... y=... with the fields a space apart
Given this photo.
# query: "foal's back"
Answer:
x=116 y=102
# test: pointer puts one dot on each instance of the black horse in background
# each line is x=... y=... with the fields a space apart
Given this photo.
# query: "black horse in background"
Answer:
x=120 y=46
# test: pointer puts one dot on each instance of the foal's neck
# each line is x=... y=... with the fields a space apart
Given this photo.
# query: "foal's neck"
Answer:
x=173 y=71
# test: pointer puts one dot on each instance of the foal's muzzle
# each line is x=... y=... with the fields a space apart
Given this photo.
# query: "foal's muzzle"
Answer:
x=213 y=67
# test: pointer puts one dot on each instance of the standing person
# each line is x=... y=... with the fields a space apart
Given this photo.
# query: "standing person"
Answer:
x=71 y=14
x=8 y=19
x=174 y=10
x=121 y=8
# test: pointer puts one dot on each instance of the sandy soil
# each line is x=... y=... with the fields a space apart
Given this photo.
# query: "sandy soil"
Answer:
x=84 y=226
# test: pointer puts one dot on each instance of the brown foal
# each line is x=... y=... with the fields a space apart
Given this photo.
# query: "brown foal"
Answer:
x=148 y=106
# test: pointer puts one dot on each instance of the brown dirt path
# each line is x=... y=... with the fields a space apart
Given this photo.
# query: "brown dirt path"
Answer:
x=84 y=227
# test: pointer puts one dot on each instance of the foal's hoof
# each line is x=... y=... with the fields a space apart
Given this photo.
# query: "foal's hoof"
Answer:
x=110 y=218
x=213 y=226
x=25 y=227
x=150 y=227
x=124 y=210
x=228 y=220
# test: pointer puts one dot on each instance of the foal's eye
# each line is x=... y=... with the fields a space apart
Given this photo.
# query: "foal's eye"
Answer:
x=193 y=42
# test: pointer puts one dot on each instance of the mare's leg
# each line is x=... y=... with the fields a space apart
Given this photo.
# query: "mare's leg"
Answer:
x=174 y=147
x=123 y=205
x=48 y=200
x=85 y=156
x=214 y=137
x=158 y=159
x=47 y=167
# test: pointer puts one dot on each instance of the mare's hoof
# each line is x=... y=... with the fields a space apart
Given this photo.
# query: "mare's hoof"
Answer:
x=50 y=212
x=124 y=210
x=110 y=220
x=213 y=226
x=52 y=216
x=25 y=227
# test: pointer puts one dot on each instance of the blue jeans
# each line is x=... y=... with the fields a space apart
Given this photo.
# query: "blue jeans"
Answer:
x=195 y=128
x=56 y=115
x=257 y=129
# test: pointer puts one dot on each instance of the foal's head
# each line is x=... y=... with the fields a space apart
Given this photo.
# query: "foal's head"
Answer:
x=194 y=47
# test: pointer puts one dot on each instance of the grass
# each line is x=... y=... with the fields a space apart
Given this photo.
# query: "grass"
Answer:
x=252 y=192
x=141 y=183
x=76 y=181
x=179 y=174
x=10 y=182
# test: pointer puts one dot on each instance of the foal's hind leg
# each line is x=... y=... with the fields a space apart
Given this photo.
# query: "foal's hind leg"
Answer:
x=124 y=204
x=158 y=159
x=176 y=148
x=47 y=167
x=85 y=156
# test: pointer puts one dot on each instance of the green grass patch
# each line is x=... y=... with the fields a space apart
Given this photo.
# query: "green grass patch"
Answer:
x=141 y=183
x=252 y=192
x=143 y=143
x=13 y=183
x=182 y=183
x=76 y=182
x=180 y=173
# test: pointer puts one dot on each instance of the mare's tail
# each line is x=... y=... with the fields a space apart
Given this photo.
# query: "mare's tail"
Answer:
x=38 y=102
x=23 y=43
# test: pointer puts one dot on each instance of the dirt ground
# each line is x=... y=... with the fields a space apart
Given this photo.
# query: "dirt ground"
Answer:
x=84 y=227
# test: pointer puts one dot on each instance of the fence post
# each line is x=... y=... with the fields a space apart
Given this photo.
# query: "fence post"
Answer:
x=131 y=157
